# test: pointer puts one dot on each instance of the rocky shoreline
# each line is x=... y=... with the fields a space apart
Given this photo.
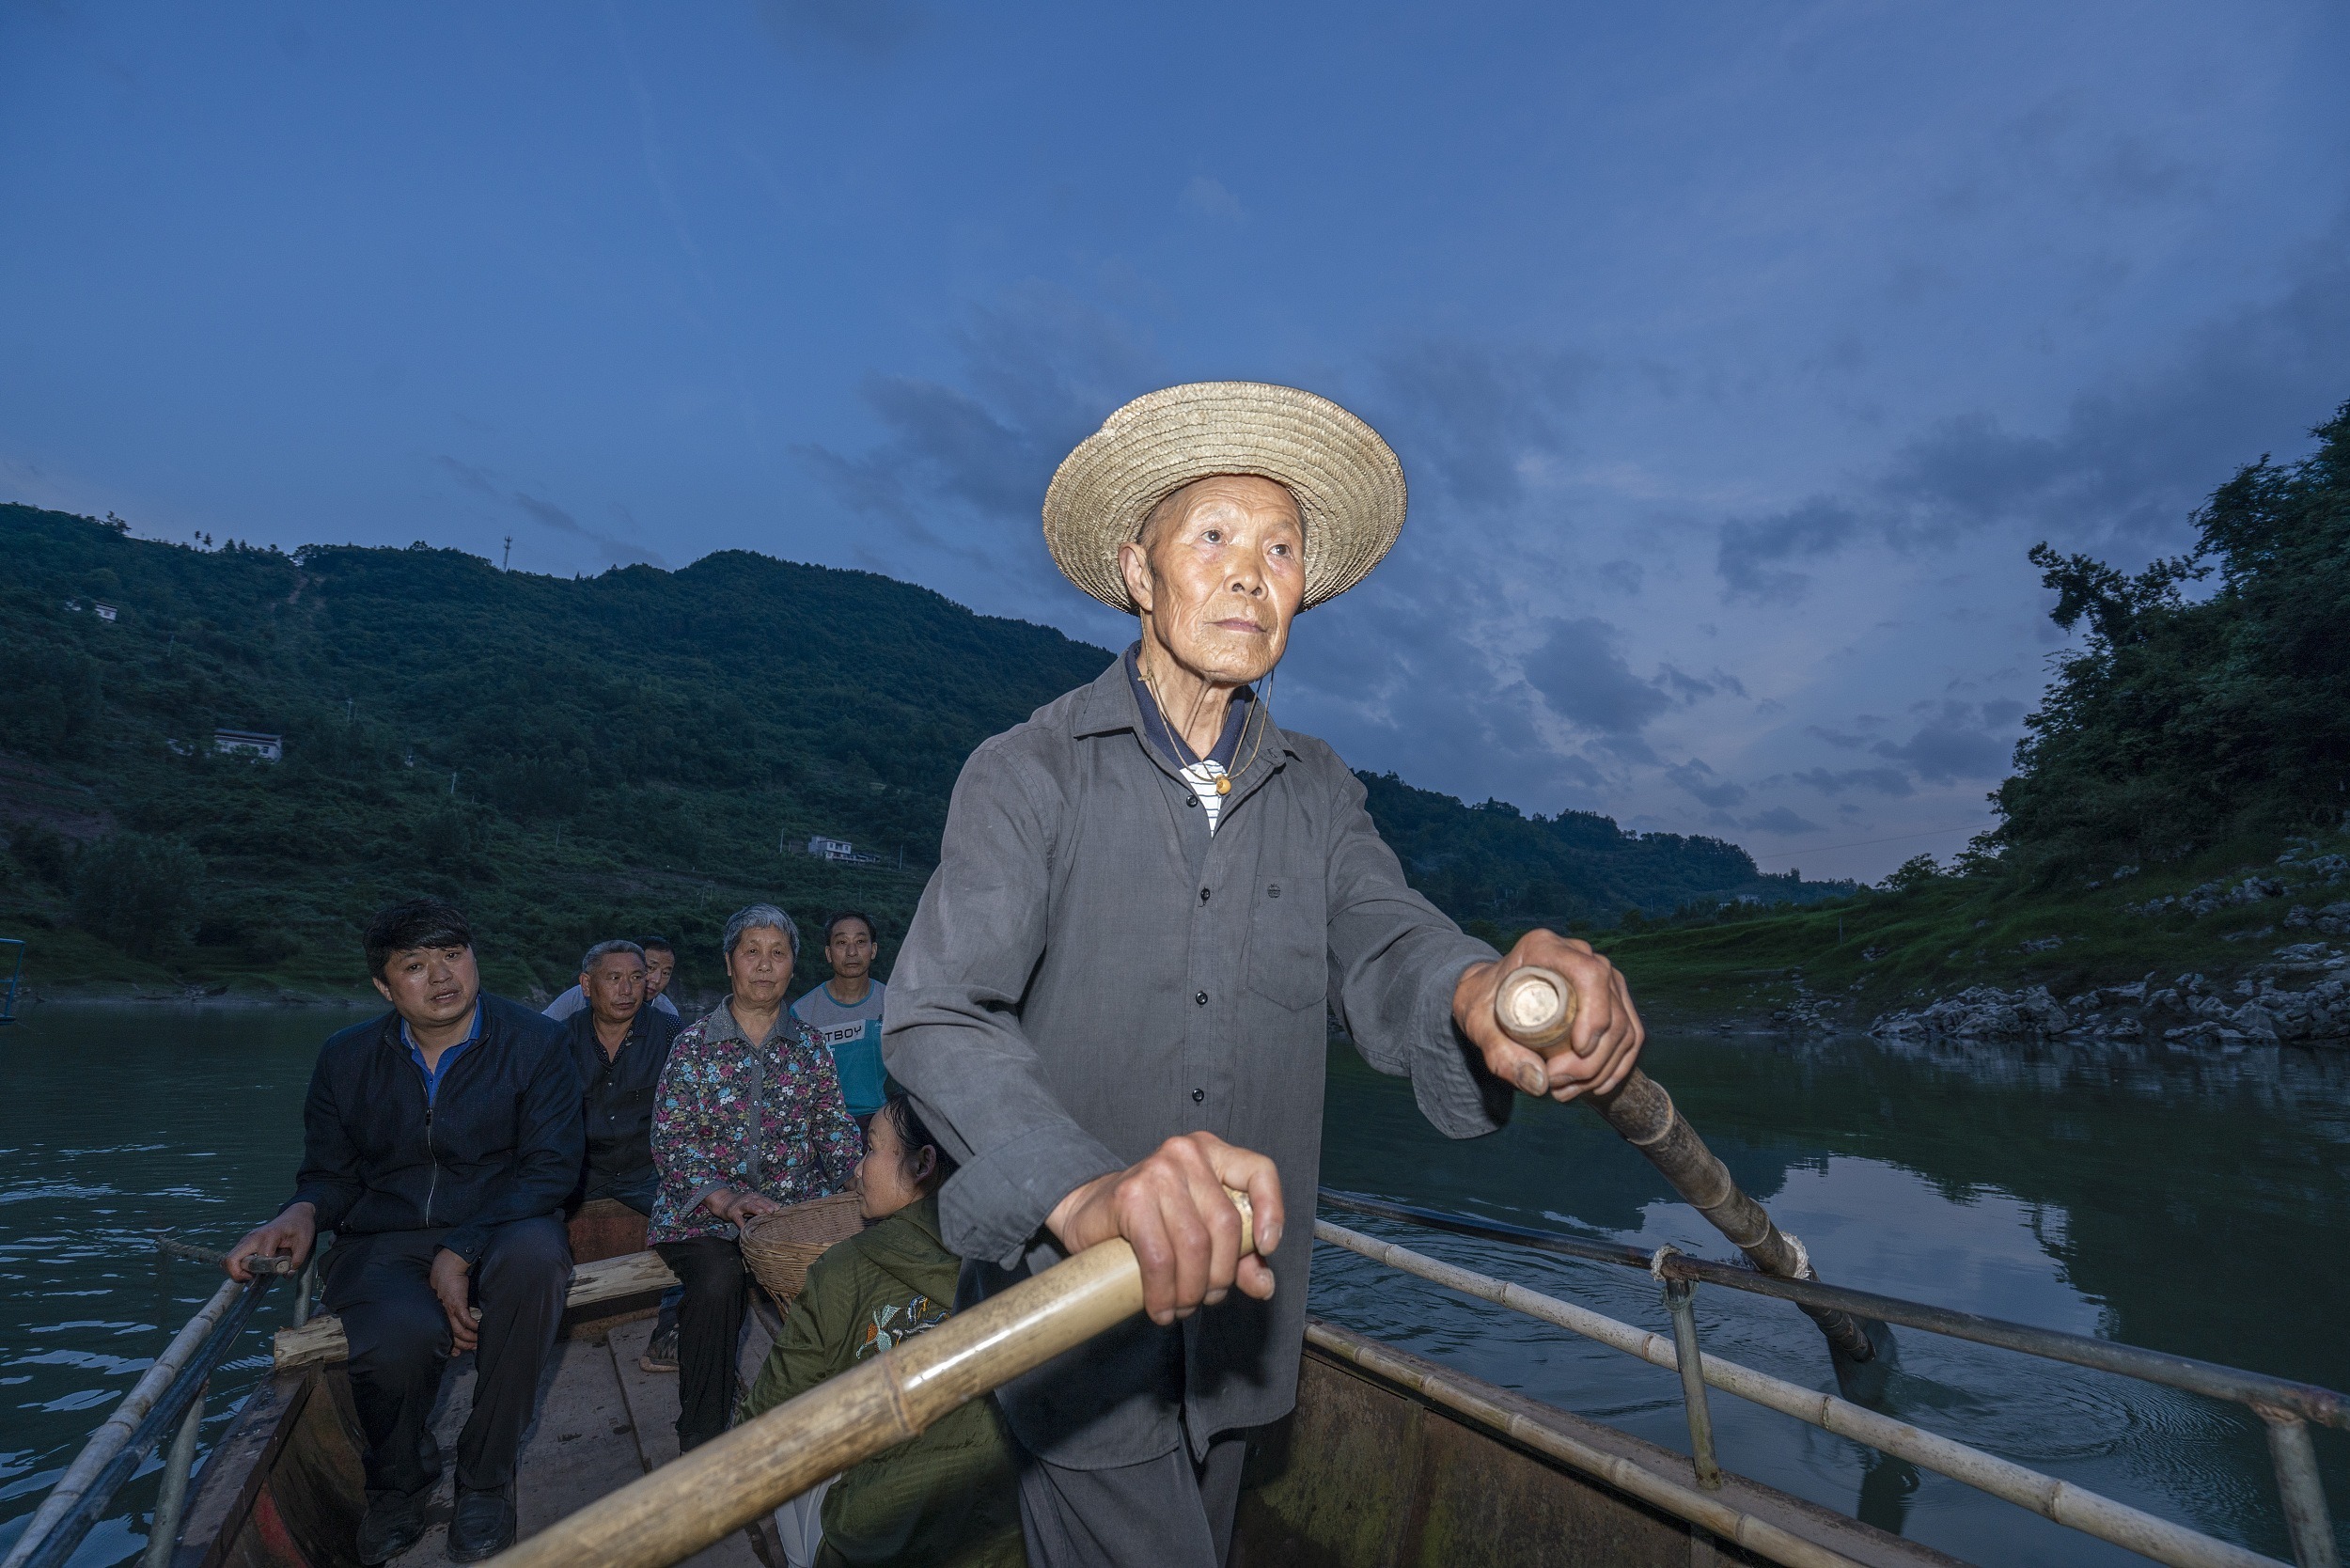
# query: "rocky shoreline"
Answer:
x=2301 y=993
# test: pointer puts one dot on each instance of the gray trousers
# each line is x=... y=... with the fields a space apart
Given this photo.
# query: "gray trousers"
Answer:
x=1163 y=1512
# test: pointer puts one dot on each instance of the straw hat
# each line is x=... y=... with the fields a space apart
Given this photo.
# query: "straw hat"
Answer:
x=1348 y=484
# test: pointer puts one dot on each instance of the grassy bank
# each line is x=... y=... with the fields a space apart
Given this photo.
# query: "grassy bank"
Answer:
x=1893 y=950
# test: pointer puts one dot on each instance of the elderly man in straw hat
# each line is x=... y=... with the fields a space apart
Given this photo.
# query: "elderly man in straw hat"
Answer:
x=1111 y=1000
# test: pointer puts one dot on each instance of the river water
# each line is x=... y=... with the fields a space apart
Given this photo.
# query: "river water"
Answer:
x=2189 y=1203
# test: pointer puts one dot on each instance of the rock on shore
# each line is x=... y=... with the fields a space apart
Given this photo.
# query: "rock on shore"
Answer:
x=1980 y=1013
x=2262 y=1006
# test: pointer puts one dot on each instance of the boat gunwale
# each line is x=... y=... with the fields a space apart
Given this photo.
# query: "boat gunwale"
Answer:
x=2259 y=1391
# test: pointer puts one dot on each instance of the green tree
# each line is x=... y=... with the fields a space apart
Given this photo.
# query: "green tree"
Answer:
x=139 y=892
x=2182 y=722
x=1916 y=872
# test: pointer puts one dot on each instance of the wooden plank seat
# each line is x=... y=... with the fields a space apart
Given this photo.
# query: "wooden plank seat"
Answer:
x=607 y=1288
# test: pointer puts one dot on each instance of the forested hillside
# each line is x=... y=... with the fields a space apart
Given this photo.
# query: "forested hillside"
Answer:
x=1496 y=863
x=639 y=751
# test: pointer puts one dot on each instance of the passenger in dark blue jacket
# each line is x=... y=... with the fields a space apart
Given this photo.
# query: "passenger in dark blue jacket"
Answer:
x=439 y=1143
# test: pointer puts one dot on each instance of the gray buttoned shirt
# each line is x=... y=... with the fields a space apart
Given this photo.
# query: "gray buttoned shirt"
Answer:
x=1092 y=972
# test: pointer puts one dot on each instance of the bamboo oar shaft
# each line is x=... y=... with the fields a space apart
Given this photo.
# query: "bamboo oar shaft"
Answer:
x=723 y=1485
x=1536 y=1007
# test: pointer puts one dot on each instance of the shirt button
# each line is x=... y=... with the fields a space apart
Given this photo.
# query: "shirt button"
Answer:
x=1203 y=895
x=1202 y=998
x=1198 y=1095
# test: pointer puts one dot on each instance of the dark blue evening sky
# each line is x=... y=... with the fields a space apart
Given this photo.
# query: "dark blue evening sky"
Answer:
x=1736 y=353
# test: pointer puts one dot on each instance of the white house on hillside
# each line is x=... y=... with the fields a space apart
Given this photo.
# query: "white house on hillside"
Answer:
x=250 y=742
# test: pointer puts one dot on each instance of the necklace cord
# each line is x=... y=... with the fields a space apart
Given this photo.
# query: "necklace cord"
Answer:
x=1262 y=712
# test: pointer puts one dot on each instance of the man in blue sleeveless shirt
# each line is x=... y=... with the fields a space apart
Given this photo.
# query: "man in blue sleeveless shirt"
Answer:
x=846 y=1012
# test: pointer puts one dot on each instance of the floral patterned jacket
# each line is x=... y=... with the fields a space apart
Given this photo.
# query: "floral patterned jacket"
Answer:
x=701 y=1139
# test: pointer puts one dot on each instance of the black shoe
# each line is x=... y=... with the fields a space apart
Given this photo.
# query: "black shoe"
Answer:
x=393 y=1522
x=481 y=1524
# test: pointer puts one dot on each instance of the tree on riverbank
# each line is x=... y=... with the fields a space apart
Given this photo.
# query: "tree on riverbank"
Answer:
x=2184 y=723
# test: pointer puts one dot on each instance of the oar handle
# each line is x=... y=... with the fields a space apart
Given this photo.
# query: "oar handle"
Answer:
x=1537 y=1007
x=700 y=1498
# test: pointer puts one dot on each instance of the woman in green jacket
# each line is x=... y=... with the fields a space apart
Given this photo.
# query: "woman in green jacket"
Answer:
x=950 y=1495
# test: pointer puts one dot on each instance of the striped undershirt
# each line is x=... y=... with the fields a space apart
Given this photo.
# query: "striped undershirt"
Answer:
x=1201 y=776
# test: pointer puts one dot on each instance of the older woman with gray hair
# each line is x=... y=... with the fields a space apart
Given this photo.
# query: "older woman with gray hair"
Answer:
x=748 y=1117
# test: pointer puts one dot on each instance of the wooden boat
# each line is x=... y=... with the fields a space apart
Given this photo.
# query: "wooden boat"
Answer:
x=1389 y=1459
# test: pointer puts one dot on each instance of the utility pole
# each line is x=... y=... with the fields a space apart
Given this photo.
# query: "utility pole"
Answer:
x=452 y=783
x=351 y=710
x=507 y=560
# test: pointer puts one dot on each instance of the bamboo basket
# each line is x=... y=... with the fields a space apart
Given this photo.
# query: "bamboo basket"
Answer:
x=782 y=1246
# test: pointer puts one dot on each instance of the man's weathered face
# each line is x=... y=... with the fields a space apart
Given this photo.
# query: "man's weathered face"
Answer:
x=850 y=950
x=614 y=987
x=659 y=963
x=1218 y=574
x=430 y=986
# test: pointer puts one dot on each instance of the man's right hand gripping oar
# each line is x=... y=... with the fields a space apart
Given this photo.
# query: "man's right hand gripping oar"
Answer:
x=1172 y=1210
x=1603 y=1045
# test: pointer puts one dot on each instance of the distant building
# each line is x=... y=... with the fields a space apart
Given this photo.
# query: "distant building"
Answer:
x=250 y=742
x=831 y=849
x=105 y=612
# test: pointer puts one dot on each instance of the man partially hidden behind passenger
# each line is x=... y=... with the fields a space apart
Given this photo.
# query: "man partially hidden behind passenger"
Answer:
x=439 y=1143
x=619 y=1043
x=846 y=1011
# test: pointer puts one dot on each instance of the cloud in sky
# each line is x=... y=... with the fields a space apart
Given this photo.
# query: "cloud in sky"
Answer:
x=1588 y=683
x=1205 y=196
x=1731 y=386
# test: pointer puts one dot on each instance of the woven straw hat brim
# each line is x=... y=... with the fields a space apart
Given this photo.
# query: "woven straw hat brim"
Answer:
x=1347 y=481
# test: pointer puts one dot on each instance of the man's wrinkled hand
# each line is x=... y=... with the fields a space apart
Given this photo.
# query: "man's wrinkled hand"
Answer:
x=290 y=1234
x=1171 y=1208
x=449 y=1284
x=1599 y=1052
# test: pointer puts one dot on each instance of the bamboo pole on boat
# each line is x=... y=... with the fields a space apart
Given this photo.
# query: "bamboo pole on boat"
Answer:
x=1537 y=1007
x=116 y=1429
x=728 y=1482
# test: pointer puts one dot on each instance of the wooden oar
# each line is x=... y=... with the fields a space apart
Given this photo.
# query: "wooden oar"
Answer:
x=723 y=1485
x=1536 y=1007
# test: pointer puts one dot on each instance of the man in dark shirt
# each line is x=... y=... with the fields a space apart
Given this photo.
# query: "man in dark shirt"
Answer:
x=619 y=1045
x=1110 y=1004
x=439 y=1143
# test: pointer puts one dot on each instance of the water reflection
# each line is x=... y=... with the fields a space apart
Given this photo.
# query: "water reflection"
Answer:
x=116 y=1122
x=2186 y=1202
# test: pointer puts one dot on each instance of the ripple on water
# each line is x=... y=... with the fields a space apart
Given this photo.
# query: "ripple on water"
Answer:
x=106 y=1365
x=52 y=1192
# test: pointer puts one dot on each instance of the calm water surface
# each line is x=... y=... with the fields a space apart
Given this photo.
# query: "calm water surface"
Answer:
x=2189 y=1203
